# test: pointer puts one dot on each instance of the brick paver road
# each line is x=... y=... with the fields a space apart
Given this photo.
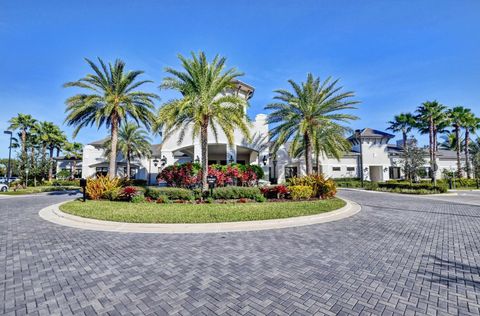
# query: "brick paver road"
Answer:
x=399 y=255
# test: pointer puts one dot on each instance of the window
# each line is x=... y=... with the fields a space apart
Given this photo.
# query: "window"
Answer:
x=212 y=162
x=290 y=172
x=336 y=168
x=350 y=168
x=315 y=169
x=394 y=172
x=101 y=171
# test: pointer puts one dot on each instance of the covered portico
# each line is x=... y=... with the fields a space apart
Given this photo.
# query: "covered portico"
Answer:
x=222 y=154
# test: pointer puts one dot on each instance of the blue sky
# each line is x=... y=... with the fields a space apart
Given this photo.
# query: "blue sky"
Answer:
x=393 y=54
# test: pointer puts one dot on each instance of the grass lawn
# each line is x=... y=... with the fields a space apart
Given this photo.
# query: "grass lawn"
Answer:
x=39 y=189
x=196 y=213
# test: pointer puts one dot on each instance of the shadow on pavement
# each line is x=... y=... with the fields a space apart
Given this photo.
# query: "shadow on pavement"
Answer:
x=450 y=273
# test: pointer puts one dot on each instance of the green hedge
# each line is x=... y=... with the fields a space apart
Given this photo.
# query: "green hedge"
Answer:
x=412 y=187
x=230 y=193
x=171 y=193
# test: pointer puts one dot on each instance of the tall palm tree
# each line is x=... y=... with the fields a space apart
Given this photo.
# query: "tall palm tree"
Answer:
x=132 y=143
x=450 y=141
x=403 y=123
x=73 y=151
x=430 y=116
x=329 y=141
x=111 y=97
x=51 y=137
x=457 y=117
x=23 y=123
x=299 y=114
x=205 y=103
x=471 y=124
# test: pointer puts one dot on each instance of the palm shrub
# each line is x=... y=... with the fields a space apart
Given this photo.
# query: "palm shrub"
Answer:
x=206 y=103
x=111 y=98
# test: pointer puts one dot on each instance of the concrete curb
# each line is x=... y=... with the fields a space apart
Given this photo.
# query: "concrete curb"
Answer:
x=53 y=214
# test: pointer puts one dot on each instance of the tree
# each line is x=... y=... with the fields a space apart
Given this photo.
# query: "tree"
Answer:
x=474 y=149
x=301 y=113
x=112 y=97
x=23 y=123
x=450 y=141
x=73 y=151
x=413 y=162
x=430 y=116
x=207 y=102
x=402 y=123
x=471 y=125
x=51 y=137
x=132 y=143
x=457 y=117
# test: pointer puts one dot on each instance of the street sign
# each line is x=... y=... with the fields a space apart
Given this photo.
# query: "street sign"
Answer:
x=212 y=181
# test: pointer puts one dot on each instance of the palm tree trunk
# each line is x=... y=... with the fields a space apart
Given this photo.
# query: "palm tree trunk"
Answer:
x=204 y=145
x=459 y=162
x=467 y=153
x=317 y=158
x=24 y=146
x=431 y=144
x=50 y=165
x=308 y=153
x=128 y=165
x=112 y=169
x=405 y=149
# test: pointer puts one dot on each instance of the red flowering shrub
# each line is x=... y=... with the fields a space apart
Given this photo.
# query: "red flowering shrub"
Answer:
x=184 y=175
x=275 y=192
x=129 y=192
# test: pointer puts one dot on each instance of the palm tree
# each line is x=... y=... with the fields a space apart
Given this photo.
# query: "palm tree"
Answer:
x=205 y=103
x=474 y=149
x=431 y=115
x=24 y=123
x=299 y=114
x=457 y=117
x=329 y=140
x=132 y=143
x=111 y=98
x=402 y=123
x=51 y=137
x=471 y=125
x=73 y=151
x=449 y=142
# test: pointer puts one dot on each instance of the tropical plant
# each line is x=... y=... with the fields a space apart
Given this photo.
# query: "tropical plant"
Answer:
x=413 y=162
x=50 y=136
x=458 y=116
x=402 y=123
x=206 y=103
x=300 y=114
x=112 y=97
x=471 y=123
x=431 y=116
x=23 y=123
x=73 y=151
x=474 y=150
x=103 y=187
x=449 y=141
x=132 y=143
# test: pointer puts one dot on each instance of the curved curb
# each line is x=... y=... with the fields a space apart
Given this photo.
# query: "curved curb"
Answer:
x=53 y=214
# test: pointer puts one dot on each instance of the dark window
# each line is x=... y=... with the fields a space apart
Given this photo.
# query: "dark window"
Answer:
x=242 y=162
x=394 y=172
x=223 y=162
x=290 y=172
x=336 y=168
x=212 y=162
x=101 y=171
x=350 y=168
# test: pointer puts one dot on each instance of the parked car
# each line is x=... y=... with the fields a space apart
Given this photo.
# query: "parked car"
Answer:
x=3 y=187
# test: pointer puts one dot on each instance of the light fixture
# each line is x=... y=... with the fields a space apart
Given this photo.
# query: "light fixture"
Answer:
x=230 y=160
x=197 y=160
x=366 y=169
x=155 y=162
x=385 y=169
x=264 y=160
x=163 y=160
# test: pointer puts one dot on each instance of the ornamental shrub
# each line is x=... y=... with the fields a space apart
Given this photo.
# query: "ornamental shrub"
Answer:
x=410 y=187
x=233 y=192
x=129 y=192
x=260 y=198
x=163 y=199
x=322 y=187
x=274 y=192
x=97 y=188
x=171 y=193
x=300 y=192
x=138 y=199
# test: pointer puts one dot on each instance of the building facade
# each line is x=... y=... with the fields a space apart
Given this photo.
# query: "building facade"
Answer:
x=372 y=154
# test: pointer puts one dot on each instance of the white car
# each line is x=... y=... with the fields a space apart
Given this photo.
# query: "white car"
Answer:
x=3 y=187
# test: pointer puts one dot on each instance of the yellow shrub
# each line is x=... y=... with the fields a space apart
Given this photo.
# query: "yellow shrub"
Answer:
x=323 y=188
x=101 y=187
x=300 y=192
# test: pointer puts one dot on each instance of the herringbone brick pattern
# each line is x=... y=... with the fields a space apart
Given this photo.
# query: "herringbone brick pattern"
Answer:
x=399 y=256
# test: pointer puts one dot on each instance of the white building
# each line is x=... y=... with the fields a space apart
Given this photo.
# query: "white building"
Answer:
x=371 y=155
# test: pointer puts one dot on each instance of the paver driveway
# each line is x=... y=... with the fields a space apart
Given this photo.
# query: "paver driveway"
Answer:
x=400 y=255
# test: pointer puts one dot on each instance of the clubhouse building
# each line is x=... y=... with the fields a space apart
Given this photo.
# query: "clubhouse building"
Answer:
x=372 y=155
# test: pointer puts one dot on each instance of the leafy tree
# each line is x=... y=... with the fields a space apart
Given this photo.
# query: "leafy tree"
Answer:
x=474 y=149
x=110 y=99
x=413 y=162
x=300 y=114
x=403 y=123
x=132 y=143
x=207 y=102
x=431 y=116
